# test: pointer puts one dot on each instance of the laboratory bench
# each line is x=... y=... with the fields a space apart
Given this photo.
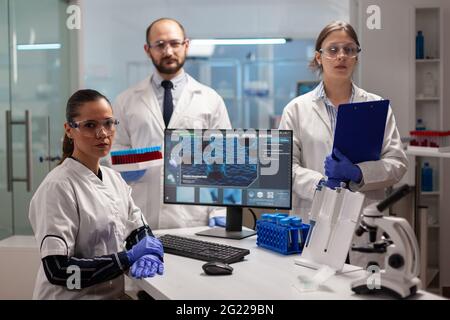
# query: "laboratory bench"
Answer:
x=262 y=275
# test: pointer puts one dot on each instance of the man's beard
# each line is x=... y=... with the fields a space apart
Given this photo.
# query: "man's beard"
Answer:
x=168 y=70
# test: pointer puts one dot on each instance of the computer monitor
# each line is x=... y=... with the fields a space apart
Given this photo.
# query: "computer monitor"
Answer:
x=232 y=168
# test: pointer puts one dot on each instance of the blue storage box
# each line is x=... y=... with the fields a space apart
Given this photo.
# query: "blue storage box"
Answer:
x=281 y=233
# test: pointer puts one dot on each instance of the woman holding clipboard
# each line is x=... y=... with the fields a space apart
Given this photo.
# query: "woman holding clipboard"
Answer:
x=312 y=117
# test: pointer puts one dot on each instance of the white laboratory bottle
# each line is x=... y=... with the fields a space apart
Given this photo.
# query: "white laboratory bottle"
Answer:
x=429 y=87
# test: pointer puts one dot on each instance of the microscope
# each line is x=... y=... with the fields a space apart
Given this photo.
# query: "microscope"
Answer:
x=402 y=264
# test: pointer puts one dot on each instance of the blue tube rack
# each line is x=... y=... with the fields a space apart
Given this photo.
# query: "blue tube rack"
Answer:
x=281 y=233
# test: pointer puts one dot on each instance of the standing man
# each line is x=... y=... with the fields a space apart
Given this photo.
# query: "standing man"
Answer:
x=169 y=98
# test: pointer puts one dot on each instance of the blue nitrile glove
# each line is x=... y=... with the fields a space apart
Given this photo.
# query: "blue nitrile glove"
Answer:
x=342 y=168
x=132 y=176
x=147 y=245
x=333 y=183
x=218 y=221
x=147 y=266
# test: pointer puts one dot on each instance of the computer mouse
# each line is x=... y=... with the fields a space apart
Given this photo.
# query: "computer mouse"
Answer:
x=217 y=268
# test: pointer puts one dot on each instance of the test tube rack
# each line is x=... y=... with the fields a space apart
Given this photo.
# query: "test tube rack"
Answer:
x=280 y=235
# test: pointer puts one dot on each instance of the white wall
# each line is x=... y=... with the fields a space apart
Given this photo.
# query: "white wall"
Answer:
x=386 y=67
x=386 y=60
x=232 y=18
x=114 y=30
x=388 y=57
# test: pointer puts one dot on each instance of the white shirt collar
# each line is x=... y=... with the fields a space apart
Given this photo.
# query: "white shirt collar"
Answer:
x=157 y=79
x=321 y=94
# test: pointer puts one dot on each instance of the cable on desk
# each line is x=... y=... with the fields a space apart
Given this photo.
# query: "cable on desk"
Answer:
x=254 y=218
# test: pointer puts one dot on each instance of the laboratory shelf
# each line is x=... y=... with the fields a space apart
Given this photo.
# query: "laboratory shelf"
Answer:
x=426 y=152
x=427 y=99
x=430 y=193
x=428 y=60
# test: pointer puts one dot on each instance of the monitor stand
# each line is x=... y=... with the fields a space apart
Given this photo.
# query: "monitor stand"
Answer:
x=233 y=229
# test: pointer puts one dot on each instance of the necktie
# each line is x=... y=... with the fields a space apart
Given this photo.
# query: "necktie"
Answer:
x=168 y=101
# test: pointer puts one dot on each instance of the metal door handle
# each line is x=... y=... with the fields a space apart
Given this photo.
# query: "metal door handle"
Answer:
x=9 y=151
x=49 y=159
x=29 y=150
x=9 y=168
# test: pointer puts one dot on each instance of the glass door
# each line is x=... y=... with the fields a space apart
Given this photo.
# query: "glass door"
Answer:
x=38 y=86
x=5 y=196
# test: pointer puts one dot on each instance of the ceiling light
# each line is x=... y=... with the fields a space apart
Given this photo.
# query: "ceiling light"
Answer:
x=249 y=41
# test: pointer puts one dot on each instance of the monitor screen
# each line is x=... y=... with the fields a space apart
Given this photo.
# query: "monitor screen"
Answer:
x=233 y=168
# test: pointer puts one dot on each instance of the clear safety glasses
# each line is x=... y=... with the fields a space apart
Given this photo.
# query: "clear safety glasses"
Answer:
x=92 y=128
x=348 y=50
x=161 y=45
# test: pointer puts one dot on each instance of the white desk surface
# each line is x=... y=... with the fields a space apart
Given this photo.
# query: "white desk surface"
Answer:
x=19 y=242
x=263 y=275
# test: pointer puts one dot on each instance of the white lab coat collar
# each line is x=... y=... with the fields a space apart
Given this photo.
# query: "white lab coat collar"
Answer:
x=192 y=87
x=148 y=96
x=319 y=105
x=82 y=170
x=360 y=94
x=102 y=185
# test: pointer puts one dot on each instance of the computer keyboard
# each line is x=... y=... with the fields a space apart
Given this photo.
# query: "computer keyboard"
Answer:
x=202 y=250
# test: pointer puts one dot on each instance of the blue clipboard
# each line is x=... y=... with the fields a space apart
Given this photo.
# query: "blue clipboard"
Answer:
x=360 y=129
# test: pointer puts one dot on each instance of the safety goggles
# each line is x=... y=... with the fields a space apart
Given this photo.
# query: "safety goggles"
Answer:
x=92 y=128
x=348 y=50
x=161 y=45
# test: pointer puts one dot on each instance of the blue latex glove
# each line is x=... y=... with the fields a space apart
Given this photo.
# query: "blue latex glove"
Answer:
x=147 y=266
x=333 y=183
x=148 y=245
x=131 y=176
x=218 y=221
x=342 y=168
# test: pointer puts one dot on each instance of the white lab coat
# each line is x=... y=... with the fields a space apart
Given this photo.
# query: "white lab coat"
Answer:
x=74 y=213
x=307 y=116
x=142 y=125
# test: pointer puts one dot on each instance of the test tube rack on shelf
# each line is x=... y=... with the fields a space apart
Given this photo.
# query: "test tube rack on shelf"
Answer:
x=430 y=138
